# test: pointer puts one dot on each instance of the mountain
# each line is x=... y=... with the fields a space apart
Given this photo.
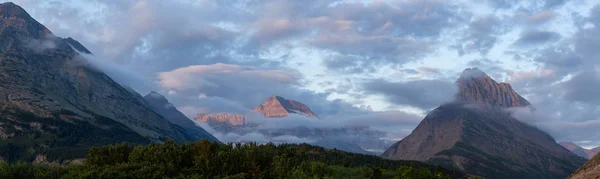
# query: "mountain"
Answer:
x=55 y=106
x=477 y=87
x=233 y=119
x=590 y=170
x=348 y=138
x=162 y=106
x=580 y=151
x=224 y=122
x=277 y=107
x=477 y=135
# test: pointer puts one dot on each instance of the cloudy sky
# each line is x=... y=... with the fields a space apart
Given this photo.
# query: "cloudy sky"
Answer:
x=396 y=58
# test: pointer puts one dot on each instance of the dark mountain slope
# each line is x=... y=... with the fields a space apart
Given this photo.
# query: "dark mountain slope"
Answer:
x=162 y=106
x=590 y=170
x=482 y=138
x=49 y=94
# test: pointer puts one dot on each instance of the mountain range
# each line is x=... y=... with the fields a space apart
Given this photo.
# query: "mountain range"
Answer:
x=580 y=151
x=55 y=105
x=478 y=135
x=355 y=139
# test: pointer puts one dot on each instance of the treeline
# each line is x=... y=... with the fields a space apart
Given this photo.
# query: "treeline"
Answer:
x=204 y=159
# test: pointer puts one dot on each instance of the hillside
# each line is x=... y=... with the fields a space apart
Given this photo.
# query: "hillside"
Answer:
x=55 y=105
x=590 y=170
x=476 y=134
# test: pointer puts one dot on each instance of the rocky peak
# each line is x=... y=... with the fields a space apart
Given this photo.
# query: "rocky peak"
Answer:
x=277 y=106
x=15 y=20
x=77 y=46
x=232 y=119
x=476 y=86
x=157 y=97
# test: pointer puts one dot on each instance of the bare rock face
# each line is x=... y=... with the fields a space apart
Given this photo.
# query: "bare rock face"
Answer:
x=47 y=89
x=477 y=135
x=477 y=87
x=232 y=119
x=223 y=122
x=590 y=170
x=277 y=107
x=162 y=106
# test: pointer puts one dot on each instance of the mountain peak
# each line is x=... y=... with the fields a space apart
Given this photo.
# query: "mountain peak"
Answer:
x=15 y=21
x=77 y=46
x=156 y=97
x=475 y=86
x=277 y=106
x=472 y=73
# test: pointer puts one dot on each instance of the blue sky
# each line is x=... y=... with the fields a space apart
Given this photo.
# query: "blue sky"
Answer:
x=228 y=56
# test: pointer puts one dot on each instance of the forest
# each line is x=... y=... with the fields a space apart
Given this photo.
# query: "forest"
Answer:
x=204 y=159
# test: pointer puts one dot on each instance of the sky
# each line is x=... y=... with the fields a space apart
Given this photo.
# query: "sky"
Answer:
x=363 y=58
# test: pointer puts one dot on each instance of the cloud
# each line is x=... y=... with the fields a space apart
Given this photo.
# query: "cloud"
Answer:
x=122 y=74
x=481 y=34
x=536 y=37
x=369 y=130
x=202 y=76
x=581 y=88
x=424 y=94
x=561 y=89
x=248 y=86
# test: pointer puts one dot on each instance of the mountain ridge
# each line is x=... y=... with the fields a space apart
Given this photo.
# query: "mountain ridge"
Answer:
x=580 y=151
x=277 y=107
x=52 y=100
x=476 y=134
x=159 y=103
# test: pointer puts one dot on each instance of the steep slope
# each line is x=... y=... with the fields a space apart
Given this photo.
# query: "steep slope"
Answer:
x=579 y=151
x=277 y=107
x=590 y=170
x=162 y=106
x=49 y=94
x=593 y=152
x=482 y=138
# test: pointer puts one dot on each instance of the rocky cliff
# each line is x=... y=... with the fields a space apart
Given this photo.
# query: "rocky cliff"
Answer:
x=477 y=135
x=277 y=107
x=477 y=87
x=590 y=170
x=52 y=100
